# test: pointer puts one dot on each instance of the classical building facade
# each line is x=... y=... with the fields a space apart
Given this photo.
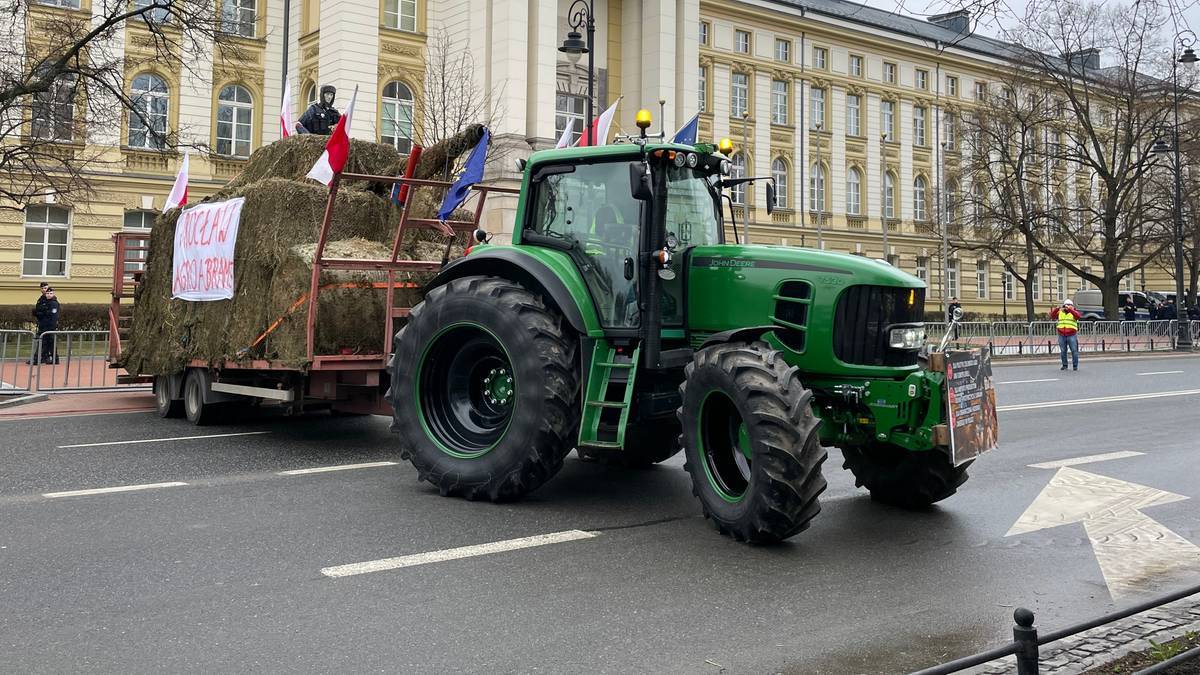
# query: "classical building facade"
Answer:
x=851 y=109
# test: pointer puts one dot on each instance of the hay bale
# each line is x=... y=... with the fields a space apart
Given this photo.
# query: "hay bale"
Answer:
x=292 y=157
x=280 y=223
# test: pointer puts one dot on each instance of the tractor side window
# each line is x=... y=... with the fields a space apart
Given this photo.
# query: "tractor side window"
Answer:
x=593 y=213
x=691 y=215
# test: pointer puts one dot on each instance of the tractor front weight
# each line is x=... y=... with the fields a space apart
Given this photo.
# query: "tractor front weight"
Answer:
x=904 y=413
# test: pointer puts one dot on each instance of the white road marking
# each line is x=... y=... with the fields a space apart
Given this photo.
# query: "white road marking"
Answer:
x=101 y=491
x=1086 y=459
x=12 y=417
x=1088 y=401
x=1131 y=547
x=1163 y=372
x=1048 y=379
x=455 y=553
x=339 y=467
x=164 y=440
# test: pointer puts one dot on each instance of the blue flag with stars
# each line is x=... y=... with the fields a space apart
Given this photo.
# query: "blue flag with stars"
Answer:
x=472 y=173
x=688 y=132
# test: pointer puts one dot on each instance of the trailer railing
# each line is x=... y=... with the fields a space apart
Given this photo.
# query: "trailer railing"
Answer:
x=392 y=265
x=1026 y=641
x=1012 y=338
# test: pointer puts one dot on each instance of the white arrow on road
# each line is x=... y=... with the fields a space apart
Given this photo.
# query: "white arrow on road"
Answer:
x=1130 y=546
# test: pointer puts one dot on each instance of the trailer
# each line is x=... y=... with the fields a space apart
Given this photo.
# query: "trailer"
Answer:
x=341 y=383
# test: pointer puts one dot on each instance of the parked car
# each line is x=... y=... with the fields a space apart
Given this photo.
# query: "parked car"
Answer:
x=1090 y=303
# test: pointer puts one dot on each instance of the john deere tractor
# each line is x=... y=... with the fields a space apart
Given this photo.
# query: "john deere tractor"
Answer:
x=622 y=323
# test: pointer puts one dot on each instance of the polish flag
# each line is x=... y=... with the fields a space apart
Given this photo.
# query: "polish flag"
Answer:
x=600 y=126
x=337 y=148
x=564 y=141
x=287 y=123
x=178 y=195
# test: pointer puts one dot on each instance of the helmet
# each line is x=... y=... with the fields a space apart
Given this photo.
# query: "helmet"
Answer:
x=1068 y=303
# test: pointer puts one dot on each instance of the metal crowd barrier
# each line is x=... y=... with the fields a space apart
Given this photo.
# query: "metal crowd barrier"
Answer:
x=16 y=350
x=1015 y=338
x=73 y=360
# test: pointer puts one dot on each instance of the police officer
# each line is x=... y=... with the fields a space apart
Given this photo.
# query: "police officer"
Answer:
x=46 y=312
x=321 y=117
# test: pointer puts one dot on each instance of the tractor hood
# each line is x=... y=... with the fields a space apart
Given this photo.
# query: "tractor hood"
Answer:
x=834 y=309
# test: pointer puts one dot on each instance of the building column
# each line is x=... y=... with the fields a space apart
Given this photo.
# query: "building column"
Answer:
x=800 y=152
x=272 y=94
x=761 y=142
x=196 y=93
x=720 y=83
x=659 y=77
x=542 y=57
x=687 y=62
x=349 y=57
x=872 y=198
x=837 y=156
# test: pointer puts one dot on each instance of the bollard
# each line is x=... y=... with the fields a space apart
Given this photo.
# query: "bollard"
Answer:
x=1026 y=637
x=1128 y=346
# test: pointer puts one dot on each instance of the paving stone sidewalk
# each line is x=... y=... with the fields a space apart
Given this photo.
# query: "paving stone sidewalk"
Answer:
x=1107 y=643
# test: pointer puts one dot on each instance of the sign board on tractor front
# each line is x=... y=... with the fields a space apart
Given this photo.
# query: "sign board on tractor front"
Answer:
x=971 y=403
x=205 y=237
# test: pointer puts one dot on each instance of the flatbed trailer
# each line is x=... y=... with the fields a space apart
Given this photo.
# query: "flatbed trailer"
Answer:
x=342 y=383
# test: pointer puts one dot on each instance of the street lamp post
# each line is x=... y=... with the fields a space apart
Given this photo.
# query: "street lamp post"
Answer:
x=582 y=15
x=1184 y=338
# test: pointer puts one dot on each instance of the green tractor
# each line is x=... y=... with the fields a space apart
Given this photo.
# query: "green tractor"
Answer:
x=621 y=323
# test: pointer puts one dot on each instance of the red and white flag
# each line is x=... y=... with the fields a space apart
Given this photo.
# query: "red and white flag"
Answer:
x=564 y=141
x=287 y=122
x=337 y=148
x=600 y=126
x=177 y=198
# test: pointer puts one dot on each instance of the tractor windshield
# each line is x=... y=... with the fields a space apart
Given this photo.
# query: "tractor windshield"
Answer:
x=692 y=211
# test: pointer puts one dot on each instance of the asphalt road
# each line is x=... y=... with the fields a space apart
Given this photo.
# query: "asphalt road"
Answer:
x=224 y=572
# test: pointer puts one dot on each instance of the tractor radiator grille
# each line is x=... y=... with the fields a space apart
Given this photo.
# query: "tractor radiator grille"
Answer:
x=861 y=320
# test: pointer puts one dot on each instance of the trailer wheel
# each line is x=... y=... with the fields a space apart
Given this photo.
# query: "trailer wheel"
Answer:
x=750 y=442
x=910 y=480
x=164 y=404
x=194 y=408
x=485 y=389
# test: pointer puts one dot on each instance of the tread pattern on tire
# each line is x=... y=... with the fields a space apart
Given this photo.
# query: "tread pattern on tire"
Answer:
x=918 y=480
x=557 y=430
x=791 y=455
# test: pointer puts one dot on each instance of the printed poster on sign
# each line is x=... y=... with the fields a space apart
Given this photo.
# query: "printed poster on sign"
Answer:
x=205 y=237
x=971 y=403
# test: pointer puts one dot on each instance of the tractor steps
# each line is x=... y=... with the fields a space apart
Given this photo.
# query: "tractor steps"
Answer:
x=605 y=362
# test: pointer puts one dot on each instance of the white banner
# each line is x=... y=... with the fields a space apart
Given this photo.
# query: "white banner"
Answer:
x=205 y=236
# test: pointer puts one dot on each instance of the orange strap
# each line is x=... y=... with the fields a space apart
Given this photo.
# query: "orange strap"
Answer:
x=304 y=299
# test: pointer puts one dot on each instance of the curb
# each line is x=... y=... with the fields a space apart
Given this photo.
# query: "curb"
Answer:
x=6 y=402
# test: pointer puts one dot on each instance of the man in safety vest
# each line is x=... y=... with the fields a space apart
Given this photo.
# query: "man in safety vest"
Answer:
x=1066 y=318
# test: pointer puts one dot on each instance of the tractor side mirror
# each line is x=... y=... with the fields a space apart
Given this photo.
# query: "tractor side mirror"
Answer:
x=639 y=181
x=770 y=197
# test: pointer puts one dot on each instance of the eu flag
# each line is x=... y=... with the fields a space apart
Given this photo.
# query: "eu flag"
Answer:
x=688 y=132
x=472 y=174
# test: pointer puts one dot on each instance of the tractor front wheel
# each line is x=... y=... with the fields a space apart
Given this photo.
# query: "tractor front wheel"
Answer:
x=910 y=480
x=484 y=389
x=750 y=442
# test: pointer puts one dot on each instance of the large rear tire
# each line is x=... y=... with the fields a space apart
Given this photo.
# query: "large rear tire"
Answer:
x=485 y=389
x=750 y=442
x=910 y=480
x=195 y=409
x=164 y=403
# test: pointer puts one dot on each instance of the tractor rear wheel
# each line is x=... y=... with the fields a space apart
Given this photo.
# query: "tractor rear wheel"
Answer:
x=647 y=442
x=164 y=403
x=484 y=389
x=910 y=480
x=750 y=442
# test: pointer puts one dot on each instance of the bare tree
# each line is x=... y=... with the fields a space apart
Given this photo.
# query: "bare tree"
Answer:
x=1089 y=157
x=62 y=85
x=451 y=100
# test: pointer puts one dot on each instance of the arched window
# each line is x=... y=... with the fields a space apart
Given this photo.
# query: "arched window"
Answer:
x=45 y=248
x=950 y=201
x=889 y=195
x=738 y=170
x=919 y=198
x=854 y=192
x=235 y=112
x=779 y=171
x=397 y=127
x=816 y=188
x=148 y=116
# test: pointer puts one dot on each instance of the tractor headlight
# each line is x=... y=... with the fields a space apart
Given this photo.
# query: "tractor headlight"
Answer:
x=680 y=159
x=906 y=337
x=692 y=160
